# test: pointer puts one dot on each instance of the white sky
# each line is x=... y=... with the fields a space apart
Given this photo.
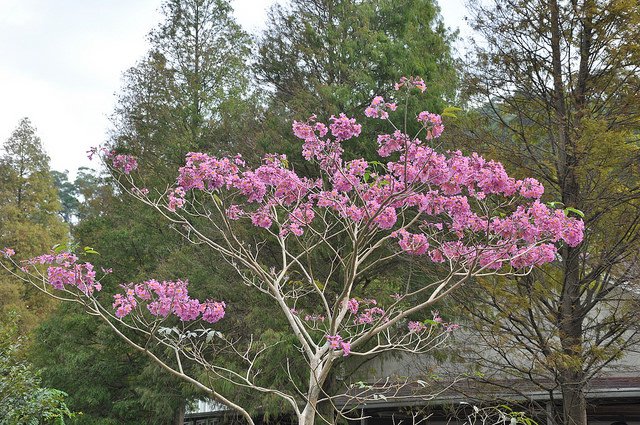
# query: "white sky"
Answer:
x=61 y=63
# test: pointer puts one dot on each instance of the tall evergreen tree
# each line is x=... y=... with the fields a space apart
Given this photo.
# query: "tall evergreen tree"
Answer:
x=332 y=56
x=190 y=92
x=29 y=220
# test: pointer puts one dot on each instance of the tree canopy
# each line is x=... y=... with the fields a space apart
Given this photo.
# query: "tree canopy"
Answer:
x=555 y=85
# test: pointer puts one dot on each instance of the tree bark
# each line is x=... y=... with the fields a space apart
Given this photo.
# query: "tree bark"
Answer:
x=570 y=318
x=179 y=415
x=574 y=406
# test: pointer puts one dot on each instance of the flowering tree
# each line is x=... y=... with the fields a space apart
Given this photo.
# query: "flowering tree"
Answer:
x=462 y=214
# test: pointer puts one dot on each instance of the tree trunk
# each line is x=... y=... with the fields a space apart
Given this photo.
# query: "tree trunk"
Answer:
x=570 y=318
x=308 y=415
x=178 y=418
x=574 y=405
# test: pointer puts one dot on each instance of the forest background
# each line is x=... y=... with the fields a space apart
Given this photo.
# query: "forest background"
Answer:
x=549 y=87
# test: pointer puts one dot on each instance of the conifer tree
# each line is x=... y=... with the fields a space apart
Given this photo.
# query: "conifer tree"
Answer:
x=29 y=219
x=189 y=92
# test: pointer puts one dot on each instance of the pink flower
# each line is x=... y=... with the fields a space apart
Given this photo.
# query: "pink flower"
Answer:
x=413 y=244
x=334 y=341
x=213 y=311
x=176 y=199
x=7 y=252
x=387 y=218
x=410 y=83
x=392 y=143
x=343 y=128
x=432 y=123
x=165 y=298
x=125 y=163
x=436 y=256
x=352 y=306
x=261 y=218
x=416 y=327
x=64 y=272
x=377 y=108
x=346 y=348
x=370 y=315
x=530 y=188
x=337 y=343
x=234 y=212
x=303 y=130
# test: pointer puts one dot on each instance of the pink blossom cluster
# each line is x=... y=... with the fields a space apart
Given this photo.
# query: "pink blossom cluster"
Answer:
x=301 y=216
x=413 y=244
x=416 y=327
x=390 y=143
x=337 y=343
x=167 y=297
x=530 y=188
x=313 y=132
x=378 y=108
x=371 y=315
x=446 y=190
x=353 y=305
x=367 y=315
x=432 y=124
x=125 y=163
x=7 y=252
x=64 y=270
x=411 y=82
x=268 y=186
x=344 y=128
x=176 y=198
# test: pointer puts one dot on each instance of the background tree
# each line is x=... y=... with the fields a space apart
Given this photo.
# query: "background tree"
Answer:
x=190 y=92
x=67 y=194
x=556 y=85
x=29 y=219
x=331 y=56
x=22 y=398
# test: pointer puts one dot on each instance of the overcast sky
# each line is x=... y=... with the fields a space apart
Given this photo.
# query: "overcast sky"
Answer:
x=61 y=63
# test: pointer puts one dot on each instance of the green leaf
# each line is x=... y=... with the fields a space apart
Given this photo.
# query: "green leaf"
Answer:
x=89 y=250
x=450 y=111
x=573 y=210
x=555 y=204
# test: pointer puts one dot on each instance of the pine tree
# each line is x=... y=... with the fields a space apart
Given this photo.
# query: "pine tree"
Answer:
x=190 y=92
x=29 y=220
x=337 y=54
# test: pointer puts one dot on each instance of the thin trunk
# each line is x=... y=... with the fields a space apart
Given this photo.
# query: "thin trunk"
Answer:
x=178 y=418
x=574 y=405
x=308 y=414
x=570 y=319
